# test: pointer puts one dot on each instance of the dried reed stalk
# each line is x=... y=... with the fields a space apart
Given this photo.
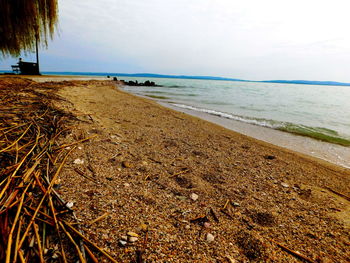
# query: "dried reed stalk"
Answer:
x=33 y=218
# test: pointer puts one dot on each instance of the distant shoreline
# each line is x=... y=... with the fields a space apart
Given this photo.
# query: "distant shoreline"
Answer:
x=150 y=75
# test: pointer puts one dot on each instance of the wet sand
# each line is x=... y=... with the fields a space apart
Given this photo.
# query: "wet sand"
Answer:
x=333 y=153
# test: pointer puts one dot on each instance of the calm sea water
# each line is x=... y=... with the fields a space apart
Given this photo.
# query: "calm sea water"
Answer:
x=320 y=112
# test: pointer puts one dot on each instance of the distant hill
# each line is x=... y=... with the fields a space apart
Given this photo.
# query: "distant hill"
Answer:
x=140 y=75
x=150 y=75
x=308 y=82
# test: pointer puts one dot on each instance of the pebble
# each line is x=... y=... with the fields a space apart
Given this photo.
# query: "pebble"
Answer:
x=187 y=226
x=236 y=204
x=132 y=239
x=78 y=161
x=206 y=224
x=122 y=243
x=210 y=237
x=124 y=238
x=194 y=197
x=69 y=204
x=126 y=185
x=285 y=185
x=270 y=157
x=144 y=227
x=132 y=234
x=126 y=164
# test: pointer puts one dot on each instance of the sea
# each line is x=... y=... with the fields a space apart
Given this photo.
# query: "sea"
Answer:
x=316 y=117
x=309 y=119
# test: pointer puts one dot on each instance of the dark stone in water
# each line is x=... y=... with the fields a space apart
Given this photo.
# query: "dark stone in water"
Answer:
x=136 y=83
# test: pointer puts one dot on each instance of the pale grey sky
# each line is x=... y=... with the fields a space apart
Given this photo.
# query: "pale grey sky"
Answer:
x=248 y=39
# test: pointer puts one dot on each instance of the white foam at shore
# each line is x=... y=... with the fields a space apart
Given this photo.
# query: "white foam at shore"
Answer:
x=332 y=153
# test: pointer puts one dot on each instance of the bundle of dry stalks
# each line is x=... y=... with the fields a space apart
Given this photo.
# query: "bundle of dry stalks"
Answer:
x=36 y=225
x=22 y=22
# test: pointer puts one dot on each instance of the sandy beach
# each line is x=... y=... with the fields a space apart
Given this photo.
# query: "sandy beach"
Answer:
x=193 y=191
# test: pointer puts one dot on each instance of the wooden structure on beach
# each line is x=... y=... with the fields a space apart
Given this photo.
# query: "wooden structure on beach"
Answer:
x=26 y=68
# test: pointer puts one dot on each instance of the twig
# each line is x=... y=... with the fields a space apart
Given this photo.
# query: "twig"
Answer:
x=40 y=250
x=43 y=198
x=339 y=194
x=88 y=241
x=226 y=213
x=212 y=212
x=74 y=143
x=181 y=172
x=57 y=229
x=294 y=253
x=225 y=205
x=9 y=240
x=91 y=255
x=99 y=218
x=82 y=259
x=85 y=176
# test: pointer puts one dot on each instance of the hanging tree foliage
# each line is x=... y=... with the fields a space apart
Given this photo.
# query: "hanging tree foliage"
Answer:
x=22 y=22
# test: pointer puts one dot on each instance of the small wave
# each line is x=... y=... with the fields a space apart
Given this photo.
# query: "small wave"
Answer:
x=158 y=97
x=170 y=93
x=178 y=87
x=173 y=86
x=255 y=121
x=319 y=133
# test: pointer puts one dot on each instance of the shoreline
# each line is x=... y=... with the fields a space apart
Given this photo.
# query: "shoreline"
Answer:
x=333 y=153
x=329 y=152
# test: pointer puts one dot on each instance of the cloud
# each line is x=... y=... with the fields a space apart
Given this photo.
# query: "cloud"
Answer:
x=245 y=39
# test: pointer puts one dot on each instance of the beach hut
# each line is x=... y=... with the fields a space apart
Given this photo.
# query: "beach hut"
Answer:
x=24 y=26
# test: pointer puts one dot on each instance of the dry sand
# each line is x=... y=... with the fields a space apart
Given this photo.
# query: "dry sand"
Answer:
x=147 y=161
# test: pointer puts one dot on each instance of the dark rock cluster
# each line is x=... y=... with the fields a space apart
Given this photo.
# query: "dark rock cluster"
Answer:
x=136 y=83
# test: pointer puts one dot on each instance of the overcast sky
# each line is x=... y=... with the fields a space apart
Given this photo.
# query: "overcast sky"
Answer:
x=247 y=39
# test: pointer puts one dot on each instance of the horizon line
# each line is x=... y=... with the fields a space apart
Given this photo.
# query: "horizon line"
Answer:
x=203 y=77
